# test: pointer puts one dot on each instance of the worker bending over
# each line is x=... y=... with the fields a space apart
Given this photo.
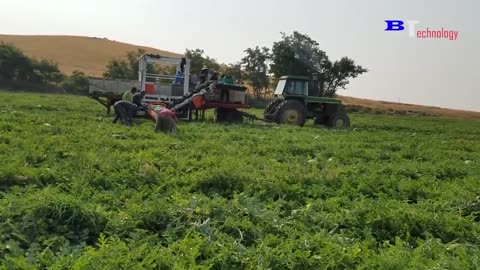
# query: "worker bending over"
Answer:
x=124 y=111
x=166 y=121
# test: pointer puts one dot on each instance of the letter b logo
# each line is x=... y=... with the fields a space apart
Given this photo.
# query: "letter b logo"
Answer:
x=394 y=25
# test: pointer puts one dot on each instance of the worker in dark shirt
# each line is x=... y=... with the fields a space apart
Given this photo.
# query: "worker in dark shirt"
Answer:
x=214 y=76
x=124 y=111
x=137 y=99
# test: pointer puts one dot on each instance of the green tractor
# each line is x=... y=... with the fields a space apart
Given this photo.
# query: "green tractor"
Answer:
x=295 y=102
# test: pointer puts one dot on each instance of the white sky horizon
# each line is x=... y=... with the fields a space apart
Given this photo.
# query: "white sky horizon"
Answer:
x=434 y=72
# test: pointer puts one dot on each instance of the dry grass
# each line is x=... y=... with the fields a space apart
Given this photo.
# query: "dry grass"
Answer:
x=86 y=54
x=401 y=108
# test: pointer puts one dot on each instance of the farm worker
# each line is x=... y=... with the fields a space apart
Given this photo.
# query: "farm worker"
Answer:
x=228 y=79
x=166 y=121
x=128 y=96
x=214 y=77
x=204 y=71
x=202 y=79
x=137 y=99
x=124 y=111
x=178 y=77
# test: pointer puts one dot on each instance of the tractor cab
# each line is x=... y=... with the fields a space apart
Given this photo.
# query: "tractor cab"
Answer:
x=295 y=101
x=292 y=85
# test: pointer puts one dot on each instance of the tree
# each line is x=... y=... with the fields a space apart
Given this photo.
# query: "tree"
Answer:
x=300 y=55
x=256 y=68
x=336 y=75
x=118 y=69
x=78 y=83
x=126 y=69
x=46 y=71
x=198 y=60
x=14 y=65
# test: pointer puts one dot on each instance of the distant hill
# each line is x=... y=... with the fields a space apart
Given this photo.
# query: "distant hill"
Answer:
x=87 y=54
x=386 y=107
x=90 y=55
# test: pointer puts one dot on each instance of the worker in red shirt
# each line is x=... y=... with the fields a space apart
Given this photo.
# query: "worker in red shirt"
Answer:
x=166 y=121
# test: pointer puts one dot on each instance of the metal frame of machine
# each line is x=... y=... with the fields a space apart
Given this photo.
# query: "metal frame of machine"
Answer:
x=182 y=64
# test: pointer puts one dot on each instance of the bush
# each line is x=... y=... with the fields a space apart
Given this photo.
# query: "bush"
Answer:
x=77 y=83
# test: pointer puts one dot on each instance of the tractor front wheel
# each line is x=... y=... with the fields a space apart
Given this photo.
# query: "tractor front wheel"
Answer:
x=339 y=120
x=291 y=112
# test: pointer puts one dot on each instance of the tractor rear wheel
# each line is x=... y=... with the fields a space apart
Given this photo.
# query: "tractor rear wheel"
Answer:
x=339 y=120
x=291 y=112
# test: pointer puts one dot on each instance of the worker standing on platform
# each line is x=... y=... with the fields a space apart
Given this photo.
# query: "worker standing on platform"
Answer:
x=178 y=77
x=204 y=74
x=228 y=79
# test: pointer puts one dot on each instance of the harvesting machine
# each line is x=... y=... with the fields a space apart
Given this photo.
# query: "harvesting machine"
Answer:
x=294 y=100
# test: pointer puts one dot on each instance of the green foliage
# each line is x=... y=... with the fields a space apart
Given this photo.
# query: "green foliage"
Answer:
x=391 y=192
x=118 y=69
x=77 y=83
x=14 y=65
x=126 y=69
x=46 y=71
x=298 y=54
x=256 y=68
x=198 y=60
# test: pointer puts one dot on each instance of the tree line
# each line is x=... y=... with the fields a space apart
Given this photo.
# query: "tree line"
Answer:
x=16 y=66
x=261 y=67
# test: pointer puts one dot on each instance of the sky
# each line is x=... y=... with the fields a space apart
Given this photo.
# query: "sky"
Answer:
x=437 y=72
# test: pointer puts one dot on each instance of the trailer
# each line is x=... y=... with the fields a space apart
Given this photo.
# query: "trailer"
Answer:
x=108 y=91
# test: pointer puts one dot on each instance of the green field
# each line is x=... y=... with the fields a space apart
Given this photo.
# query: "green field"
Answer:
x=77 y=192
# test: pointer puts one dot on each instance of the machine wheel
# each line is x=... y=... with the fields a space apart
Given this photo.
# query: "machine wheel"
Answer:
x=291 y=112
x=339 y=120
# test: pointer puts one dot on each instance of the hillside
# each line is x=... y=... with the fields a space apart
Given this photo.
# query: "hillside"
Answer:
x=86 y=54
x=91 y=55
x=381 y=107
